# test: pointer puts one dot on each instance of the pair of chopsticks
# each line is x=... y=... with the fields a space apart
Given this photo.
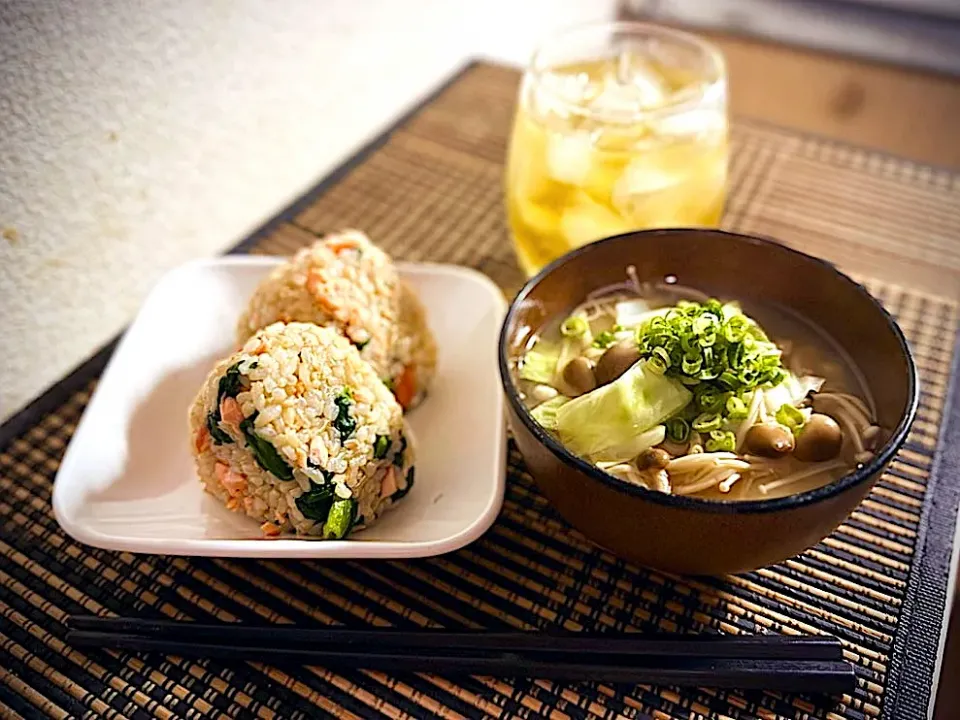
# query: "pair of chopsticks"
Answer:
x=766 y=662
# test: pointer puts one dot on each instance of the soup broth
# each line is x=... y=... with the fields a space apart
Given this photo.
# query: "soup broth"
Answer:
x=663 y=387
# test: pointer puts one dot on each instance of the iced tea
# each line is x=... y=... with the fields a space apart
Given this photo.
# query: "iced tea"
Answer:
x=635 y=138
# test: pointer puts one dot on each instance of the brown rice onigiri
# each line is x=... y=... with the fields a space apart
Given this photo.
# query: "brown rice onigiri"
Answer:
x=415 y=350
x=345 y=281
x=298 y=432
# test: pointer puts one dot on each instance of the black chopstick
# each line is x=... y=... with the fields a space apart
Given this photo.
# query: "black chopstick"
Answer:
x=777 y=647
x=771 y=662
x=832 y=677
x=820 y=676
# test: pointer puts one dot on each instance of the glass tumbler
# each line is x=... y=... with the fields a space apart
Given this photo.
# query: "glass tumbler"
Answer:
x=619 y=126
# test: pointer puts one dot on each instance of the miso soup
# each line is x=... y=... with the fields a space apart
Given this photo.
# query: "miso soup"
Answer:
x=666 y=388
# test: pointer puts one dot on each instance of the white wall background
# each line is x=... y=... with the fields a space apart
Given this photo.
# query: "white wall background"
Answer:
x=135 y=135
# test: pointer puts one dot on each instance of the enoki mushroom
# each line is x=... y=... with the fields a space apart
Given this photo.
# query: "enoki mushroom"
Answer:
x=765 y=488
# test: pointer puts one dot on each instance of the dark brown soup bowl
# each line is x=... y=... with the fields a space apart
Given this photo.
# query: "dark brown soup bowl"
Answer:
x=686 y=534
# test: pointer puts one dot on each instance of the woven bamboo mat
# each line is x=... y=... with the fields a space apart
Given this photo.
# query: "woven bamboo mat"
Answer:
x=431 y=189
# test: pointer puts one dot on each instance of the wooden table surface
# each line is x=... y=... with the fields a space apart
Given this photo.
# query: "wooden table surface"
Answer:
x=899 y=110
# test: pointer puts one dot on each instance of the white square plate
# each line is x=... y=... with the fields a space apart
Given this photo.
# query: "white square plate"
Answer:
x=127 y=481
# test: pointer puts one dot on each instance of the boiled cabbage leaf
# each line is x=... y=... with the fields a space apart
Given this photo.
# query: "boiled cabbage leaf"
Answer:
x=607 y=421
x=546 y=412
x=540 y=364
x=629 y=450
x=790 y=391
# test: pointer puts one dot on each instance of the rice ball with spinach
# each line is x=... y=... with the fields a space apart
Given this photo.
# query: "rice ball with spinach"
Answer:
x=298 y=432
x=345 y=281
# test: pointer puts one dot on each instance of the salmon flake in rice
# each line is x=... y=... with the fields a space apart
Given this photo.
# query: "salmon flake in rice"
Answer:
x=415 y=352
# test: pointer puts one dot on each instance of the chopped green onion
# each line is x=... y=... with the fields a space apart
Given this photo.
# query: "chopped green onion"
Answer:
x=736 y=408
x=381 y=446
x=721 y=441
x=735 y=328
x=663 y=355
x=678 y=430
x=604 y=339
x=790 y=417
x=690 y=366
x=748 y=377
x=704 y=422
x=340 y=519
x=708 y=375
x=708 y=399
x=690 y=345
x=728 y=380
x=656 y=365
x=715 y=350
x=574 y=326
x=777 y=376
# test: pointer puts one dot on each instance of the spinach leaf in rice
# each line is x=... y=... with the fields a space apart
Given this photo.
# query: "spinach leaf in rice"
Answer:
x=230 y=385
x=316 y=502
x=263 y=452
x=345 y=423
x=398 y=458
x=411 y=476
x=213 y=425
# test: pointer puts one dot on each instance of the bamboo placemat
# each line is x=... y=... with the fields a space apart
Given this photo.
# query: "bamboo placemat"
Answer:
x=431 y=189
